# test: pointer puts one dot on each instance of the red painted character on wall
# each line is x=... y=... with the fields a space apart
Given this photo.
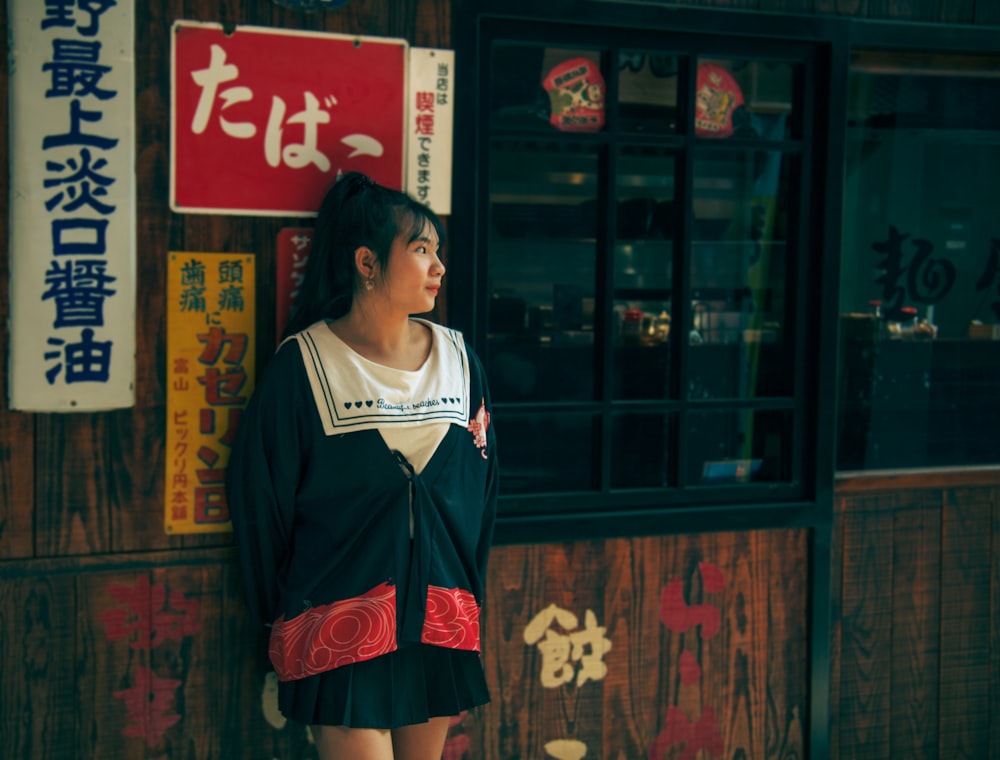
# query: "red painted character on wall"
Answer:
x=147 y=616
x=680 y=617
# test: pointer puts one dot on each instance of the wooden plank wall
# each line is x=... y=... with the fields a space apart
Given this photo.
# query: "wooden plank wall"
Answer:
x=83 y=484
x=118 y=641
x=917 y=626
x=671 y=644
x=124 y=661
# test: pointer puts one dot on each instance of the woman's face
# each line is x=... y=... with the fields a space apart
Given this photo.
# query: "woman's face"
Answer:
x=413 y=276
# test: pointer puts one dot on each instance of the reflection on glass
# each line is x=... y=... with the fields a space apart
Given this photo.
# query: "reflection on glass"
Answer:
x=543 y=189
x=543 y=453
x=738 y=446
x=642 y=355
x=645 y=214
x=647 y=91
x=743 y=99
x=920 y=271
x=643 y=272
x=739 y=259
x=545 y=88
x=640 y=449
x=541 y=274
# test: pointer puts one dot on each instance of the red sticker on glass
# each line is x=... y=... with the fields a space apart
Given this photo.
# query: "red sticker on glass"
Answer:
x=576 y=94
x=717 y=96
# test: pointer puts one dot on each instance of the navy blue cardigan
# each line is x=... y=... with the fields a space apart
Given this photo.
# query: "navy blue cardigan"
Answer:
x=322 y=526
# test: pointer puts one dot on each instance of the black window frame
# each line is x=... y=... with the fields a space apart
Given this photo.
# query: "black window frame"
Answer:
x=609 y=512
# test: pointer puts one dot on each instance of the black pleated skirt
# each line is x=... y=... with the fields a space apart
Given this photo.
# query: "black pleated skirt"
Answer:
x=411 y=685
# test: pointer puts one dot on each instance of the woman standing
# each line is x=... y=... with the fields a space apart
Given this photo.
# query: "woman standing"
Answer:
x=362 y=488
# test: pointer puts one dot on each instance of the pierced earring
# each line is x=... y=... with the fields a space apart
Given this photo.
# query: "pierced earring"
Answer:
x=369 y=285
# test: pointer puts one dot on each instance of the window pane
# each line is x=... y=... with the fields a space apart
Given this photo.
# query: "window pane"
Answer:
x=644 y=186
x=541 y=271
x=647 y=91
x=740 y=346
x=547 y=452
x=640 y=450
x=642 y=354
x=920 y=274
x=545 y=88
x=744 y=99
x=643 y=271
x=741 y=446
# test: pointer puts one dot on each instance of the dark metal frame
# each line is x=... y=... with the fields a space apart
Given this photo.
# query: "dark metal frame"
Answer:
x=588 y=514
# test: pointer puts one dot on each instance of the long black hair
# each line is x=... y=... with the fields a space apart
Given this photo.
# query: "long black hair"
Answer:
x=355 y=212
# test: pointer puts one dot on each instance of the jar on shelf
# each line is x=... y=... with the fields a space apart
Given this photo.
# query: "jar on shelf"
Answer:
x=632 y=327
x=906 y=327
x=661 y=327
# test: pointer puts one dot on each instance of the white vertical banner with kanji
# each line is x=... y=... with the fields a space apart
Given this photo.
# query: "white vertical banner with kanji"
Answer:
x=430 y=116
x=72 y=206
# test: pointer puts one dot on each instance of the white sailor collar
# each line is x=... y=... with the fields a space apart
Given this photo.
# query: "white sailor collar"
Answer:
x=354 y=393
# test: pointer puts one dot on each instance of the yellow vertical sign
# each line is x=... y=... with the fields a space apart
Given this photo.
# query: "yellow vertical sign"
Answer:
x=211 y=305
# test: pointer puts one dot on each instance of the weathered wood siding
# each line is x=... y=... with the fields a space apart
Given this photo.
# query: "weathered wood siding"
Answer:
x=84 y=484
x=916 y=654
x=673 y=643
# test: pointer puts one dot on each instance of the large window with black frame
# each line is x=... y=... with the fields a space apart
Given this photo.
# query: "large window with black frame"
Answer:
x=647 y=273
x=920 y=274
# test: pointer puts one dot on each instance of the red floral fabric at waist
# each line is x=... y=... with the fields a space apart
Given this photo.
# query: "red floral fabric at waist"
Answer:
x=351 y=630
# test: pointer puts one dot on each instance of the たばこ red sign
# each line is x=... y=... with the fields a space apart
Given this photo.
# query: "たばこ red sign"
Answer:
x=263 y=120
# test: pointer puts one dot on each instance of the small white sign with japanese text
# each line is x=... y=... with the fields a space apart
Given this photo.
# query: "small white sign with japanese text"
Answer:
x=430 y=110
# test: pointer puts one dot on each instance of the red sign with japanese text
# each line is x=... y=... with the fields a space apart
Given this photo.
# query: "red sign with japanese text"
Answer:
x=263 y=120
x=294 y=244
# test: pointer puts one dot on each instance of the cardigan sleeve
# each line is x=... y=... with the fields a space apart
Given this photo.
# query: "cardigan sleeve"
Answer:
x=263 y=476
x=492 y=477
